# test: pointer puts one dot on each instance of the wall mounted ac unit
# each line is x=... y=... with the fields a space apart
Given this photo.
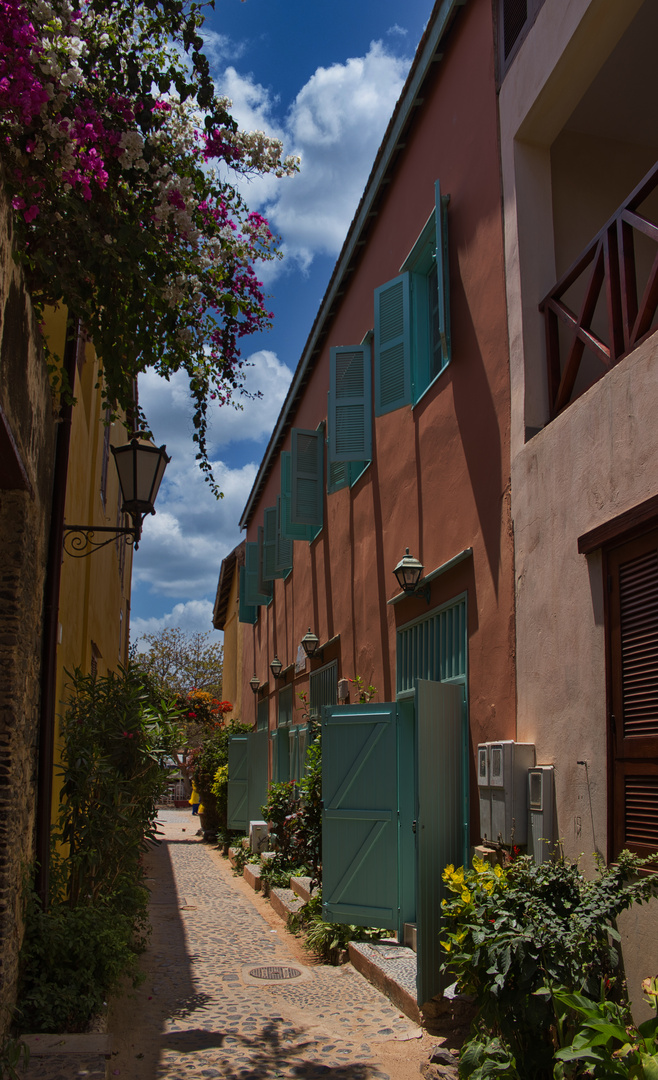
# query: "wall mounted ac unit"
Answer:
x=541 y=811
x=502 y=788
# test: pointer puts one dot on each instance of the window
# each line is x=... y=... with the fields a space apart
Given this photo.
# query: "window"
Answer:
x=263 y=715
x=434 y=647
x=515 y=17
x=632 y=570
x=412 y=318
x=285 y=707
x=323 y=688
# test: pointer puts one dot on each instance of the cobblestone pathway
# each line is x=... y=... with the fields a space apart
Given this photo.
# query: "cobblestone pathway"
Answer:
x=227 y=996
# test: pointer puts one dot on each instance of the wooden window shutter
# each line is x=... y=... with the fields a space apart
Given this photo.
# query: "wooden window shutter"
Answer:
x=290 y=530
x=247 y=613
x=633 y=637
x=350 y=425
x=284 y=547
x=252 y=594
x=393 y=344
x=442 y=267
x=269 y=544
x=307 y=449
x=264 y=584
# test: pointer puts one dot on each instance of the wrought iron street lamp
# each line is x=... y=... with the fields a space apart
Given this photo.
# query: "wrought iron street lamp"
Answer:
x=254 y=683
x=409 y=573
x=276 y=667
x=310 y=643
x=140 y=466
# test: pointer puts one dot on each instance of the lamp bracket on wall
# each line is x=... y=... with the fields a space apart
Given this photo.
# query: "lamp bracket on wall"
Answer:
x=80 y=540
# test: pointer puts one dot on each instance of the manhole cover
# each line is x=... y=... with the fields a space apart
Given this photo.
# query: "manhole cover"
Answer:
x=274 y=974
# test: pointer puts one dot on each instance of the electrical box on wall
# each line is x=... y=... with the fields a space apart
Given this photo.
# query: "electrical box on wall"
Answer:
x=541 y=811
x=502 y=789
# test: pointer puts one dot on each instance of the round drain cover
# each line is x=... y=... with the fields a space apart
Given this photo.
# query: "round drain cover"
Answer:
x=274 y=974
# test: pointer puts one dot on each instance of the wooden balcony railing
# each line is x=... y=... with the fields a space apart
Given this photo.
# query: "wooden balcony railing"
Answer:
x=608 y=263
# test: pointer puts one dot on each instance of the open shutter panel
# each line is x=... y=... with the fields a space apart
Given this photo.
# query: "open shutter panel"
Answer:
x=392 y=344
x=247 y=613
x=443 y=274
x=350 y=428
x=283 y=547
x=264 y=586
x=269 y=544
x=307 y=477
x=253 y=595
x=289 y=529
x=633 y=570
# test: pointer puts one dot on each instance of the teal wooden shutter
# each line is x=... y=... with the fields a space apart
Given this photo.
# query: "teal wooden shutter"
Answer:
x=257 y=768
x=337 y=475
x=269 y=544
x=280 y=756
x=349 y=423
x=247 y=613
x=393 y=344
x=307 y=477
x=443 y=269
x=442 y=834
x=253 y=594
x=290 y=530
x=283 y=548
x=264 y=585
x=237 y=782
x=359 y=819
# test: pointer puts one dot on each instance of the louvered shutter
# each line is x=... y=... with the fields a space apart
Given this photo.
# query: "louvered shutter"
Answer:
x=247 y=613
x=264 y=585
x=289 y=529
x=350 y=427
x=269 y=544
x=393 y=344
x=307 y=476
x=633 y=634
x=283 y=547
x=337 y=475
x=253 y=594
x=443 y=270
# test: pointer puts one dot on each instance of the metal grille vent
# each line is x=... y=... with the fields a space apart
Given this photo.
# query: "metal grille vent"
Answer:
x=274 y=974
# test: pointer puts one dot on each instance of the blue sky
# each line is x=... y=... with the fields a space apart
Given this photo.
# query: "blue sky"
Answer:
x=324 y=78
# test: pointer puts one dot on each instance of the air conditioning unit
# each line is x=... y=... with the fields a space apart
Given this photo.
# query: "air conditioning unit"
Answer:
x=502 y=788
x=541 y=812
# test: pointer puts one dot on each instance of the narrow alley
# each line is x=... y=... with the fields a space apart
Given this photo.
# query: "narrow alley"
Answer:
x=218 y=999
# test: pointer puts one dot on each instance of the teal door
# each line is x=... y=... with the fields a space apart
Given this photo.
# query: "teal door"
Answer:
x=257 y=762
x=238 y=749
x=395 y=793
x=360 y=818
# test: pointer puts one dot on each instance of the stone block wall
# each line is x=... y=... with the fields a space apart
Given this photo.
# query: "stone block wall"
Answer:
x=27 y=449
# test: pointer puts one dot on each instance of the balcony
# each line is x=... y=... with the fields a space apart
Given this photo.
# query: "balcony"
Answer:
x=605 y=305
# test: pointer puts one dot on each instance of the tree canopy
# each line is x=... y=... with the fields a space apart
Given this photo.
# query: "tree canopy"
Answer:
x=178 y=662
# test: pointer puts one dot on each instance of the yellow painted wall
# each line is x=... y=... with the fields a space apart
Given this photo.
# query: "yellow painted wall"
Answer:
x=94 y=605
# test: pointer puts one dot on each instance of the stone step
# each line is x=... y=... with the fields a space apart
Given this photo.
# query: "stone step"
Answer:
x=251 y=872
x=285 y=902
x=302 y=887
x=391 y=968
x=67 y=1057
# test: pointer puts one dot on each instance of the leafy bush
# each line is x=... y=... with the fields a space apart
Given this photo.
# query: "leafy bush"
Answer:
x=116 y=737
x=607 y=1043
x=204 y=761
x=515 y=936
x=328 y=940
x=295 y=815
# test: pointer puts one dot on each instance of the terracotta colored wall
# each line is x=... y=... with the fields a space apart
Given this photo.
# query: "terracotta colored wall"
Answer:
x=439 y=481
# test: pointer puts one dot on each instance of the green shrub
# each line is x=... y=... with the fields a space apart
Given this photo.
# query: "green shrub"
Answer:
x=513 y=937
x=116 y=739
x=204 y=762
x=328 y=940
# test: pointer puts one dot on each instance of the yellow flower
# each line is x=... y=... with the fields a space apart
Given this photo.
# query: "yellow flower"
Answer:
x=458 y=876
x=448 y=872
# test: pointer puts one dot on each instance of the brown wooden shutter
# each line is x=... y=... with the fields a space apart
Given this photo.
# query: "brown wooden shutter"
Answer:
x=633 y=635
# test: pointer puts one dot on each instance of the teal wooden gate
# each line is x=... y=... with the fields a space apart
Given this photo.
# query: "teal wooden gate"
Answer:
x=247 y=778
x=238 y=749
x=359 y=819
x=395 y=792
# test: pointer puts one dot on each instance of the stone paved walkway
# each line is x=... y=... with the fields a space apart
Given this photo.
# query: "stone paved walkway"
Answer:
x=214 y=1003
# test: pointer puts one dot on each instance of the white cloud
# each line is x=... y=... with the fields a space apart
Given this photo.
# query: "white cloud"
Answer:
x=335 y=125
x=184 y=543
x=396 y=31
x=194 y=617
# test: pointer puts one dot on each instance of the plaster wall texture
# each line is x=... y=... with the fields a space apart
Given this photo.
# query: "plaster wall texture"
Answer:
x=24 y=527
x=439 y=479
x=593 y=462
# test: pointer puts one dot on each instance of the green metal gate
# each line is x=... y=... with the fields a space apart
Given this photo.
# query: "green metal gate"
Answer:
x=247 y=778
